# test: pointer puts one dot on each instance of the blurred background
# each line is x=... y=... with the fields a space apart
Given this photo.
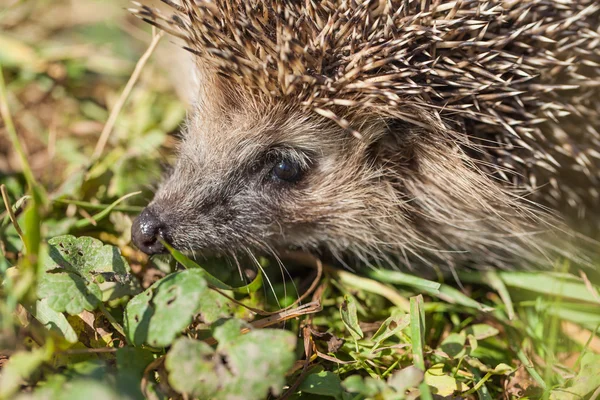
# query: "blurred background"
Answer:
x=65 y=63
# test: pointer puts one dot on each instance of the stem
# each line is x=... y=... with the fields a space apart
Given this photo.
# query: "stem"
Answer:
x=93 y=206
x=10 y=212
x=112 y=320
x=12 y=133
x=478 y=384
x=97 y=217
x=114 y=114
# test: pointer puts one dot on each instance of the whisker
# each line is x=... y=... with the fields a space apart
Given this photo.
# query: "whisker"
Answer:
x=285 y=271
x=239 y=267
x=253 y=258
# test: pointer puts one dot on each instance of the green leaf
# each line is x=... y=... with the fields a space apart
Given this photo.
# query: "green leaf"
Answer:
x=350 y=317
x=481 y=331
x=550 y=283
x=261 y=357
x=493 y=279
x=583 y=314
x=323 y=383
x=186 y=262
x=53 y=321
x=443 y=384
x=242 y=367
x=407 y=378
x=69 y=292
x=229 y=331
x=417 y=329
x=73 y=270
x=390 y=327
x=454 y=345
x=133 y=360
x=20 y=367
x=367 y=386
x=79 y=389
x=131 y=363
x=160 y=313
x=455 y=296
x=586 y=381
x=400 y=278
x=214 y=306
x=441 y=291
x=193 y=368
x=417 y=333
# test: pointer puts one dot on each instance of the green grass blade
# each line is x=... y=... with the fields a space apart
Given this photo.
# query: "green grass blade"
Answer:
x=435 y=289
x=550 y=283
x=400 y=278
x=373 y=286
x=496 y=283
x=531 y=368
x=97 y=217
x=417 y=331
x=12 y=133
x=186 y=262
x=93 y=206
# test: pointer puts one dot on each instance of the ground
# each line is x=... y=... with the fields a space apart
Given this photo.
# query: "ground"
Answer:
x=84 y=313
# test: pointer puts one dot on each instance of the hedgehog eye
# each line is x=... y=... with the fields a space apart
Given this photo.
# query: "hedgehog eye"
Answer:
x=287 y=170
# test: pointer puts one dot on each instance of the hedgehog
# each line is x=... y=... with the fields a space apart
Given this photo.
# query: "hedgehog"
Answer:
x=406 y=133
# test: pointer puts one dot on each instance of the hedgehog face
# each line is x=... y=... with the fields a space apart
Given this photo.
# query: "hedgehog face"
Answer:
x=255 y=178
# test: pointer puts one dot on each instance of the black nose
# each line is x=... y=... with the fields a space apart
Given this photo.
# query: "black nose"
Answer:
x=146 y=230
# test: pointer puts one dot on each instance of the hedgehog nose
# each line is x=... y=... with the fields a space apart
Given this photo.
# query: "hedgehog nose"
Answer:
x=145 y=232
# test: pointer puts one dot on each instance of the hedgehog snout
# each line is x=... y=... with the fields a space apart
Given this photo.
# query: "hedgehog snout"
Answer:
x=146 y=231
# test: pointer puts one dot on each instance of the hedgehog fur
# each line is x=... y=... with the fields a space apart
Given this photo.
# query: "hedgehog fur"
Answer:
x=502 y=99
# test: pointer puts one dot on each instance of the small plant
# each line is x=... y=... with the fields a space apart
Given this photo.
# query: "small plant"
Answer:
x=85 y=315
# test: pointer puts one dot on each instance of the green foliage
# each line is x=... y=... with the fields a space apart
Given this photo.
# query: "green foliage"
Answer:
x=156 y=316
x=350 y=317
x=85 y=315
x=586 y=381
x=76 y=270
x=213 y=281
x=323 y=383
x=399 y=386
x=52 y=320
x=242 y=366
x=22 y=365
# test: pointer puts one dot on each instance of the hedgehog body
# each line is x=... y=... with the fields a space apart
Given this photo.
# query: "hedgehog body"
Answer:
x=407 y=132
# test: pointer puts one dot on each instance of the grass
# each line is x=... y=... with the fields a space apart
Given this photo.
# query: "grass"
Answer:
x=88 y=118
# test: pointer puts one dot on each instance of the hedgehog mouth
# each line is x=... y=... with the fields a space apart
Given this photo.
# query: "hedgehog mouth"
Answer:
x=246 y=255
x=241 y=268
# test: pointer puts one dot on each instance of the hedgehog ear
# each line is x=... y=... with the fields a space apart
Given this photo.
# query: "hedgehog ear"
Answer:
x=395 y=145
x=214 y=90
